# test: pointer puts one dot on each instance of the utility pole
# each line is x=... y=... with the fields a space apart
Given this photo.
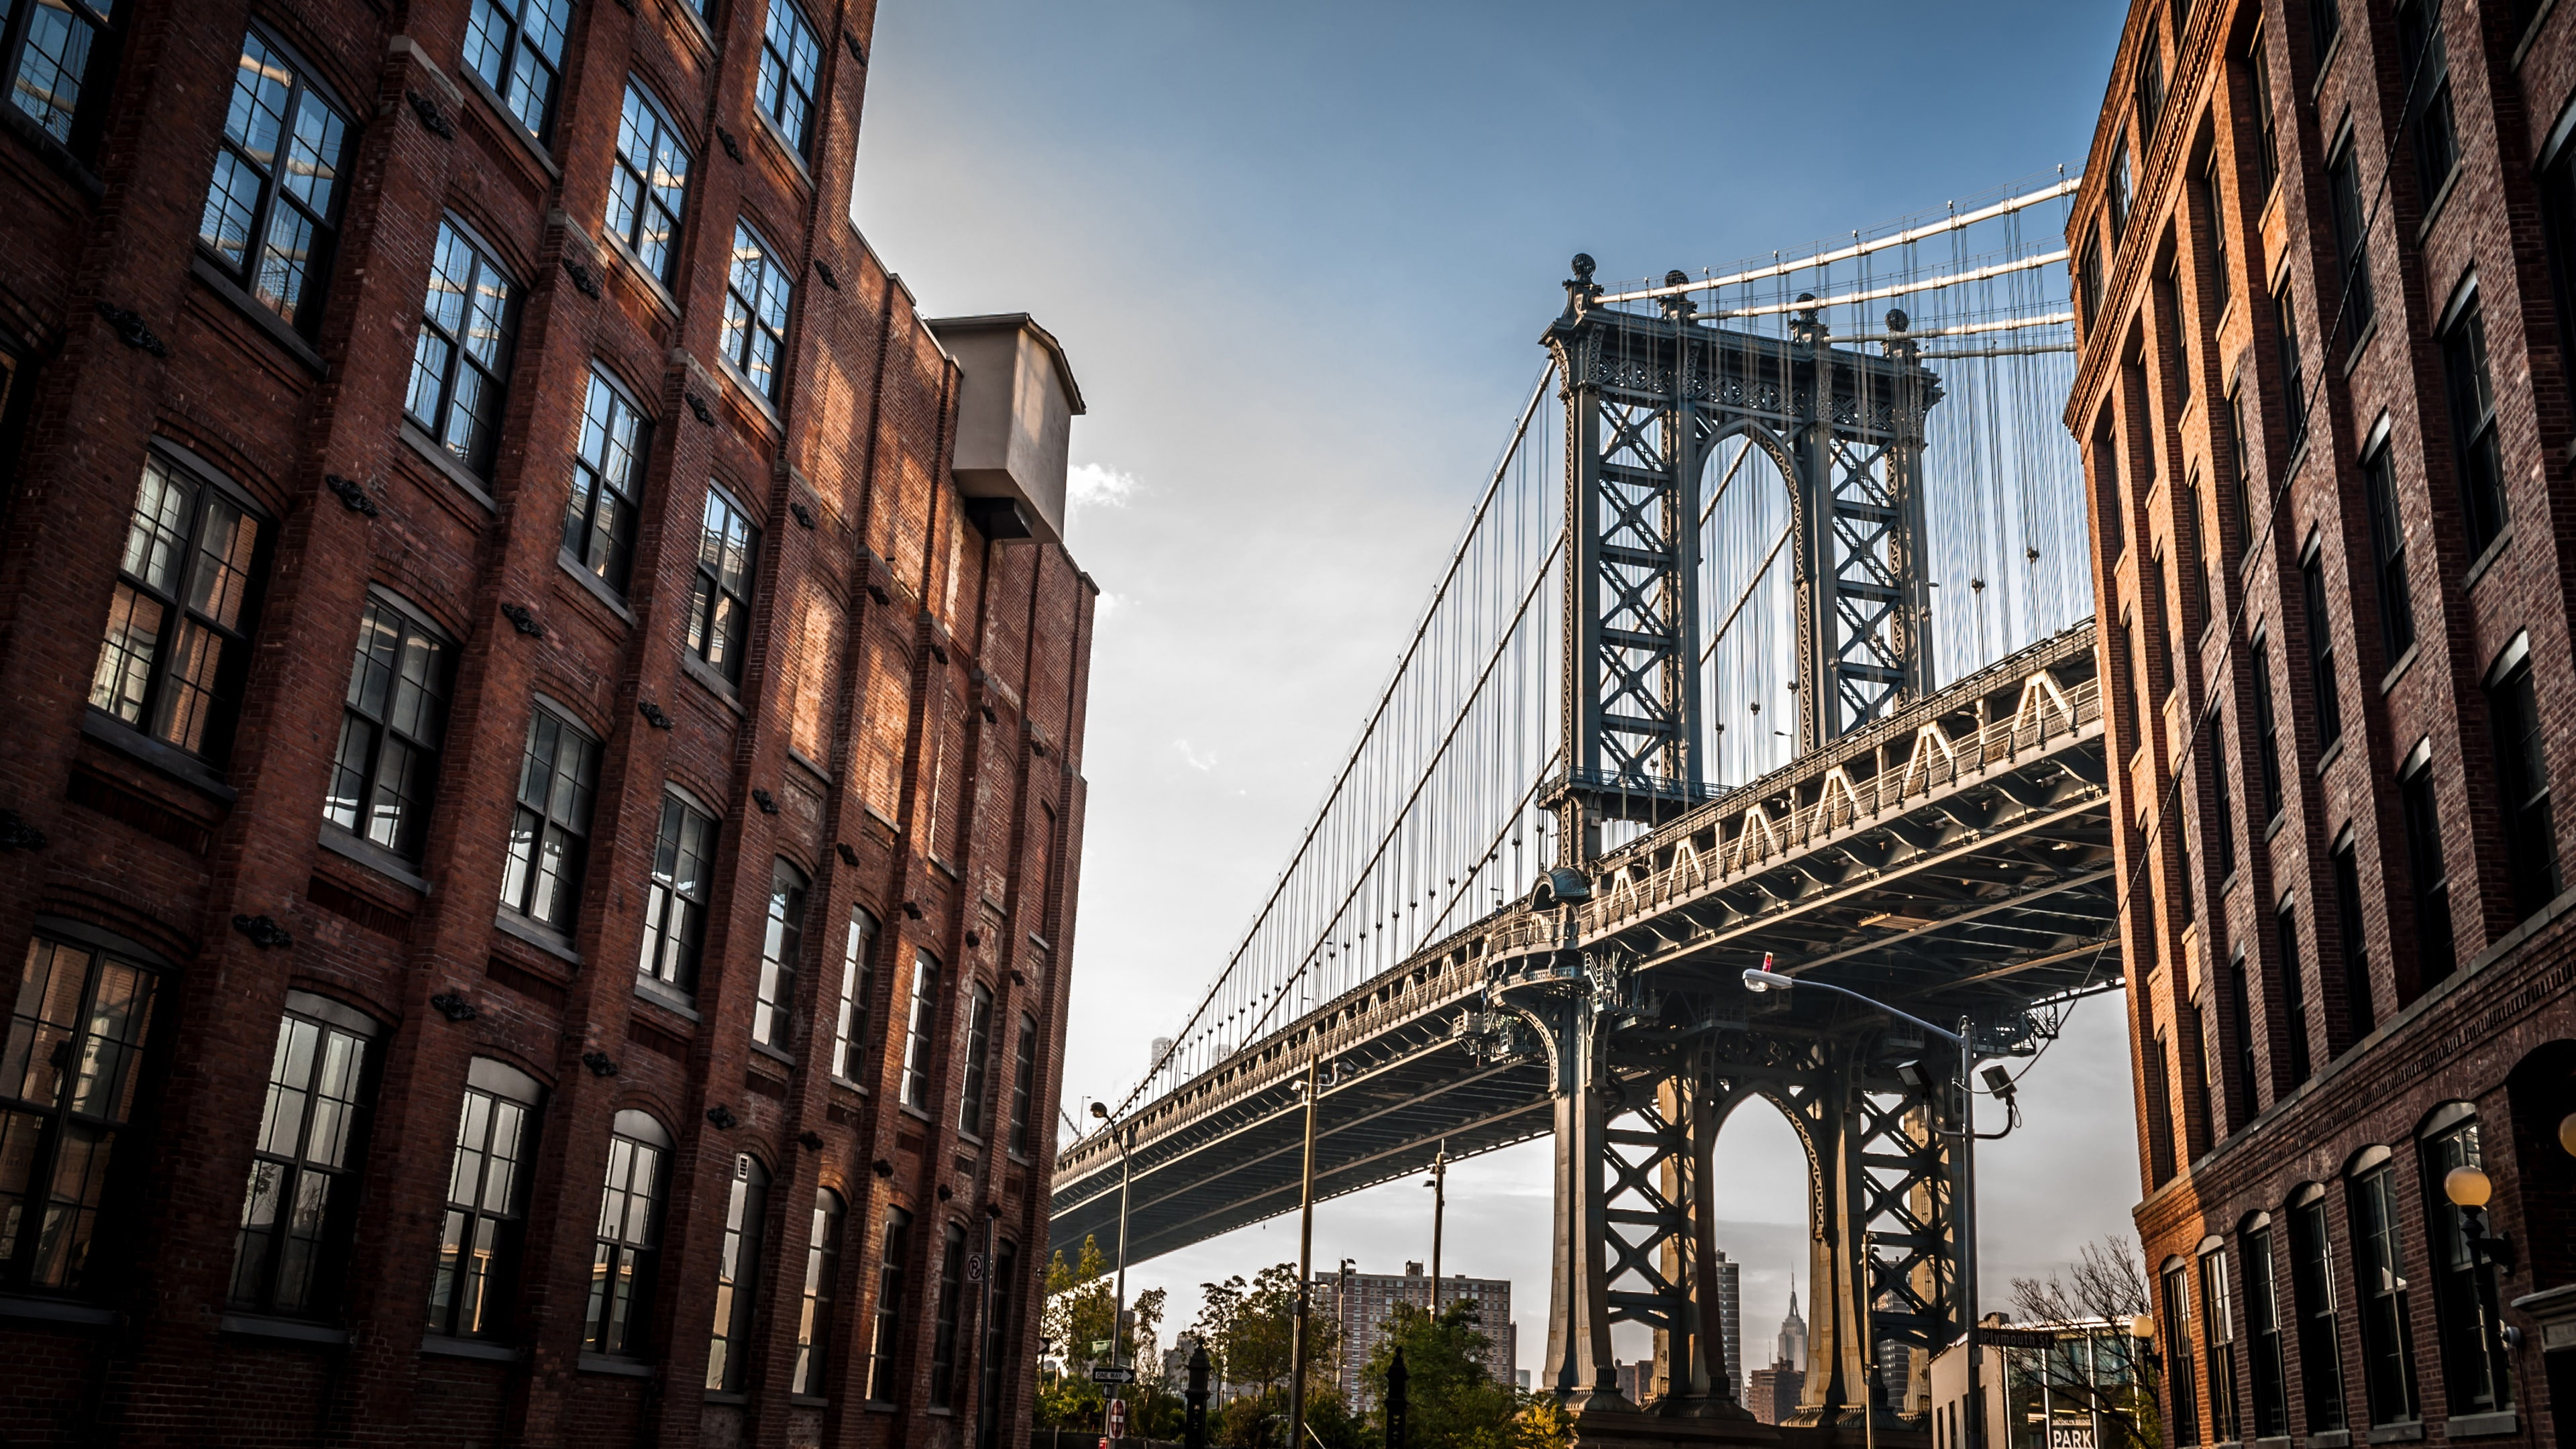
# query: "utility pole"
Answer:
x=1118 y=1313
x=1966 y=1226
x=1439 y=1210
x=1305 y=1264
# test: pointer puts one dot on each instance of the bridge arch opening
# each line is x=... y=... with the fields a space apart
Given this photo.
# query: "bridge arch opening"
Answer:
x=1748 y=605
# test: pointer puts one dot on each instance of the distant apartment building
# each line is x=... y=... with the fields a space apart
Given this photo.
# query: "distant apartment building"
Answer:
x=1730 y=1317
x=1359 y=1304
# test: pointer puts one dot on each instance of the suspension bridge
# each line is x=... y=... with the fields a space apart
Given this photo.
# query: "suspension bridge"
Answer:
x=1767 y=638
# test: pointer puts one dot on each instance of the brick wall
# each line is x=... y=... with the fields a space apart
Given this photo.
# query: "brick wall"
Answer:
x=905 y=730
x=2348 y=1036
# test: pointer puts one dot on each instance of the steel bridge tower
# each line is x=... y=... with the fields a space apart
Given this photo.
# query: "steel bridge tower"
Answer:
x=1644 y=1076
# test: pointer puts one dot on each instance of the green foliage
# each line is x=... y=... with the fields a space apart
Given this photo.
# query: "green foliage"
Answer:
x=1081 y=1306
x=1250 y=1332
x=1452 y=1401
x=1542 y=1423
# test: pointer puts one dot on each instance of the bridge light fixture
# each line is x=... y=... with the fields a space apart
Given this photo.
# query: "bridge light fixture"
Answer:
x=1100 y=1110
x=1758 y=979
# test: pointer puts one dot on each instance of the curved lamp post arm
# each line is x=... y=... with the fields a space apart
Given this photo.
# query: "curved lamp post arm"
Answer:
x=1756 y=979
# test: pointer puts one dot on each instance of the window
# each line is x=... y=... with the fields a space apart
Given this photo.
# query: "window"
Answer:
x=2320 y=1336
x=2240 y=467
x=607 y=474
x=720 y=607
x=2388 y=552
x=885 y=1342
x=2267 y=738
x=2214 y=198
x=301 y=1205
x=2294 y=992
x=386 y=767
x=2325 y=21
x=2357 y=997
x=2240 y=1006
x=2435 y=954
x=2178 y=1357
x=943 y=1338
x=2159 y=1111
x=737 y=1272
x=2475 y=1365
x=2343 y=181
x=2121 y=181
x=271 y=208
x=2151 y=84
x=2263 y=1326
x=516 y=46
x=1024 y=1078
x=2258 y=65
x=2223 y=818
x=2218 y=1330
x=2379 y=1270
x=2321 y=647
x=790 y=58
x=2294 y=378
x=675 y=908
x=858 y=987
x=2170 y=284
x=2092 y=285
x=462 y=355
x=979 y=1053
x=2473 y=426
x=624 y=1243
x=757 y=291
x=67 y=1082
x=814 y=1317
x=478 y=1251
x=998 y=1339
x=2423 y=62
x=920 y=1031
x=781 y=947
x=550 y=831
x=650 y=184
x=50 y=47
x=2522 y=773
x=178 y=629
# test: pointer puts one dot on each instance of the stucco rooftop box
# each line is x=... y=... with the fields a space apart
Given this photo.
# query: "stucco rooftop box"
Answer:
x=1014 y=421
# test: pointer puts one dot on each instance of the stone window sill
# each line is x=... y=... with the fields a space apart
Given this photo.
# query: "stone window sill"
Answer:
x=500 y=116
x=2433 y=217
x=2531 y=32
x=2398 y=670
x=785 y=147
x=274 y=327
x=768 y=406
x=2397 y=1433
x=712 y=682
x=807 y=1401
x=542 y=937
x=597 y=587
x=817 y=771
x=773 y=1053
x=600 y=1363
x=2331 y=753
x=718 y=1396
x=373 y=856
x=669 y=998
x=2485 y=562
x=2481 y=1426
x=660 y=290
x=448 y=468
x=176 y=763
x=2322 y=1439
x=285 y=1330
x=55 y=153
x=52 y=1310
x=439 y=1345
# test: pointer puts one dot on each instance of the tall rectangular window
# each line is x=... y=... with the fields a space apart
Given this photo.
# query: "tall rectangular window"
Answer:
x=2267 y=734
x=177 y=647
x=2294 y=376
x=2320 y=1333
x=2352 y=241
x=2151 y=85
x=2092 y=283
x=858 y=988
x=2325 y=21
x=2240 y=1007
x=720 y=605
x=550 y=829
x=461 y=359
x=2121 y=182
x=675 y=904
x=998 y=1340
x=757 y=291
x=2387 y=1325
x=2475 y=1363
x=2321 y=648
x=814 y=1312
x=607 y=483
x=2471 y=392
x=649 y=186
x=2240 y=469
x=790 y=62
x=2388 y=551
x=979 y=1061
x=2218 y=1344
x=2522 y=773
x=67 y=1083
x=782 y=947
x=272 y=208
x=943 y=1337
x=2179 y=1378
x=737 y=1273
x=920 y=1034
x=2160 y=1111
x=2263 y=1328
x=2214 y=198
x=52 y=50
x=301 y=1206
x=2222 y=819
x=2424 y=63
x=1024 y=1075
x=2294 y=992
x=625 y=1243
x=2436 y=955
x=478 y=1250
x=391 y=724
x=2357 y=994
x=885 y=1337
x=516 y=48
x=2258 y=66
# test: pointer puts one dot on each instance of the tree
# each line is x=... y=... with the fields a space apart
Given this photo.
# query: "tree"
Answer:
x=1542 y=1423
x=1452 y=1401
x=1249 y=1330
x=2107 y=1281
x=2102 y=1372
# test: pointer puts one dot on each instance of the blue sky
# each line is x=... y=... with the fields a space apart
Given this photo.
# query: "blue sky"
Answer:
x=1300 y=256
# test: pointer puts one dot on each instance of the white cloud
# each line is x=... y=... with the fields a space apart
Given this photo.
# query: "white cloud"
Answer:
x=1088 y=485
x=1193 y=758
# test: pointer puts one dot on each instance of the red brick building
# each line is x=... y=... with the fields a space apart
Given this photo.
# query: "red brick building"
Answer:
x=545 y=739
x=2323 y=257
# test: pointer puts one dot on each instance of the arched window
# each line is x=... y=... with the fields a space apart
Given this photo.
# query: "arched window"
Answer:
x=781 y=946
x=814 y=1318
x=886 y=1340
x=301 y=1205
x=979 y=1061
x=478 y=1251
x=67 y=1080
x=738 y=1271
x=624 y=1244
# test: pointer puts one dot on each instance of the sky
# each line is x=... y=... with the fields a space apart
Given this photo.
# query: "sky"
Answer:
x=1300 y=256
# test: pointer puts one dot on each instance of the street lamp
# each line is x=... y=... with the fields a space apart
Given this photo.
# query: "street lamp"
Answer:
x=1118 y=1313
x=2469 y=1189
x=1762 y=978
